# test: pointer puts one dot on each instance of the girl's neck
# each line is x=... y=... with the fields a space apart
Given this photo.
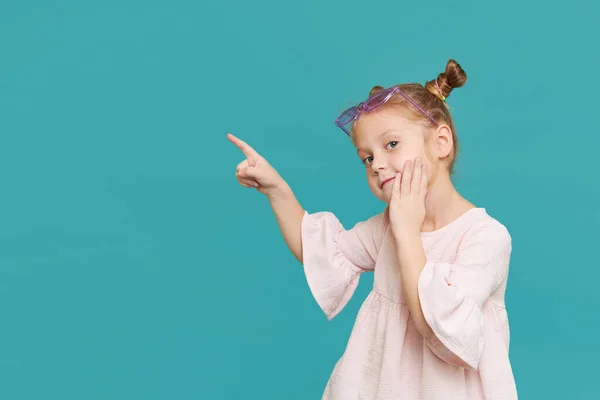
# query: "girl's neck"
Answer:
x=443 y=204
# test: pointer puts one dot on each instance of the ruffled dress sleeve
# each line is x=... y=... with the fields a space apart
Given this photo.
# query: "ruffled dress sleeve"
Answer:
x=452 y=295
x=334 y=257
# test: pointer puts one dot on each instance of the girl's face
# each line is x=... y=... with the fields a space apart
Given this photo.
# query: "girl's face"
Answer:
x=385 y=140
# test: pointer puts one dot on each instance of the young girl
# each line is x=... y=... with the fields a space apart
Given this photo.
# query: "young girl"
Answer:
x=435 y=324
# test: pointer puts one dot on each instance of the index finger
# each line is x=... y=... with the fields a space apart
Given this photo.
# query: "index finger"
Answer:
x=415 y=184
x=243 y=146
x=424 y=180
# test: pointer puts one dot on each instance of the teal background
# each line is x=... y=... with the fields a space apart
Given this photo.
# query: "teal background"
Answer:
x=132 y=264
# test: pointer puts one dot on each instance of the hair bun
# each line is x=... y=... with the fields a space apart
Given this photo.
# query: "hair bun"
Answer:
x=375 y=90
x=453 y=77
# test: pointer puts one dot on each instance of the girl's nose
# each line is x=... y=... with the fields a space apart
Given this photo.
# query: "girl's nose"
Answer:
x=378 y=164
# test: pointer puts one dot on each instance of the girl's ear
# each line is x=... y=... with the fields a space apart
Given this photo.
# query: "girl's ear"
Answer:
x=443 y=142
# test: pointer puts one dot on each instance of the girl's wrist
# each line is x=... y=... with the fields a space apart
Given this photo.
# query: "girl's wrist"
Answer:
x=279 y=191
x=407 y=237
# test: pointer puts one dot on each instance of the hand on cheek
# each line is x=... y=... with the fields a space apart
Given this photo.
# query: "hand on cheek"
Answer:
x=407 y=204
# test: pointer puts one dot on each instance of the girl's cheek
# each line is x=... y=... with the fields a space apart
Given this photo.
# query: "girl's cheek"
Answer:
x=399 y=161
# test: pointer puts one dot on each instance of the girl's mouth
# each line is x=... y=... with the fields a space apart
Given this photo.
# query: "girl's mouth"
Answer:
x=386 y=181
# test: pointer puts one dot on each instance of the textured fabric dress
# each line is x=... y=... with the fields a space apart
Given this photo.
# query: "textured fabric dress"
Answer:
x=461 y=290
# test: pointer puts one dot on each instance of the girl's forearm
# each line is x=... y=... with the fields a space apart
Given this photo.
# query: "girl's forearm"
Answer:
x=289 y=214
x=412 y=259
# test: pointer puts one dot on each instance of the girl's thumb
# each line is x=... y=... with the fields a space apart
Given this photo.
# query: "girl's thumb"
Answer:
x=248 y=172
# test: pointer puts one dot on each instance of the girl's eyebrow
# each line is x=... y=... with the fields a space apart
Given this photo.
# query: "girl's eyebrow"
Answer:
x=391 y=131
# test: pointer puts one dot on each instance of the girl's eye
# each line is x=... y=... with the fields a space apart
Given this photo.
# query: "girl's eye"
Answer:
x=393 y=144
x=367 y=160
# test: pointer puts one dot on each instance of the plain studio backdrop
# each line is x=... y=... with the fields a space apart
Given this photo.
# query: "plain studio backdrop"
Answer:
x=133 y=265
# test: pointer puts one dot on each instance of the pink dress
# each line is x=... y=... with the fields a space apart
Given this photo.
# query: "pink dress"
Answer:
x=461 y=289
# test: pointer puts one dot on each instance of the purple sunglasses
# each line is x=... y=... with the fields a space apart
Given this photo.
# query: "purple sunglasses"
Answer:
x=372 y=103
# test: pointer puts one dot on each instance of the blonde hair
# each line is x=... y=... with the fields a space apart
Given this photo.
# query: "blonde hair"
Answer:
x=432 y=98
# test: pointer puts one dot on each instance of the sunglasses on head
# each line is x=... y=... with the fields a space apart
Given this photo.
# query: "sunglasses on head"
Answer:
x=374 y=101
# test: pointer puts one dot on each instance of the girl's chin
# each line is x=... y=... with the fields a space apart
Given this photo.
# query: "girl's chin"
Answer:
x=383 y=196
